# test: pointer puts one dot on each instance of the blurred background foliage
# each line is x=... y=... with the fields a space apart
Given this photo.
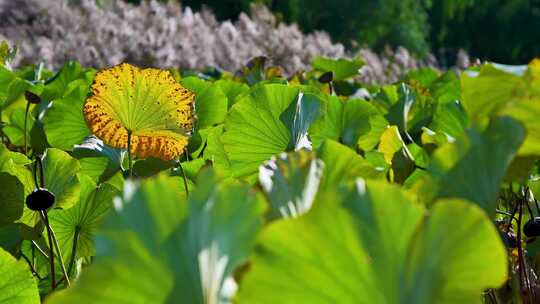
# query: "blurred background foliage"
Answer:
x=505 y=31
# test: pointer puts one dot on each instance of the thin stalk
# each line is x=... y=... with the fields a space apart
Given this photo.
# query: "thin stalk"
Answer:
x=74 y=249
x=33 y=256
x=524 y=281
x=531 y=214
x=185 y=178
x=40 y=250
x=39 y=165
x=57 y=248
x=51 y=252
x=32 y=268
x=187 y=154
x=25 y=127
x=492 y=298
x=536 y=205
x=130 y=164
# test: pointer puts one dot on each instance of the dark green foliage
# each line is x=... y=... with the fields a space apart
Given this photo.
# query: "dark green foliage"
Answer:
x=497 y=30
x=371 y=22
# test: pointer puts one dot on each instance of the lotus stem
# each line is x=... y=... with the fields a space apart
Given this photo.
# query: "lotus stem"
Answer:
x=45 y=221
x=74 y=248
x=25 y=127
x=55 y=243
x=184 y=177
x=130 y=164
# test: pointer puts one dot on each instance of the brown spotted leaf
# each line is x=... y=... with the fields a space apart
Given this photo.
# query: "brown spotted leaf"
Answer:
x=148 y=102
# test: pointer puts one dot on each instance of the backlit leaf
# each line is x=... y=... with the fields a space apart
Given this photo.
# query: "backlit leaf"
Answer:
x=149 y=103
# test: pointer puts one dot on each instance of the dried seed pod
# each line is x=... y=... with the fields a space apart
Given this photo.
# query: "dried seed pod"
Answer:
x=532 y=227
x=40 y=199
x=326 y=77
x=32 y=98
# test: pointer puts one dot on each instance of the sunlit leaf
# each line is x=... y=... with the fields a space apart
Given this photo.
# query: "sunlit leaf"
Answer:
x=253 y=129
x=298 y=117
x=343 y=164
x=184 y=250
x=474 y=166
x=291 y=182
x=15 y=129
x=355 y=122
x=232 y=89
x=342 y=68
x=68 y=78
x=489 y=90
x=377 y=247
x=390 y=143
x=64 y=121
x=210 y=102
x=76 y=227
x=17 y=286
x=61 y=178
x=149 y=103
x=216 y=237
x=450 y=118
x=116 y=277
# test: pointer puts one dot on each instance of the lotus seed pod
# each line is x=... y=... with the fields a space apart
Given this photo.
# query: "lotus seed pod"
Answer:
x=40 y=199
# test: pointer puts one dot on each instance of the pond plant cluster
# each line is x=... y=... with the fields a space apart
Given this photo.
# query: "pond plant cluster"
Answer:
x=145 y=185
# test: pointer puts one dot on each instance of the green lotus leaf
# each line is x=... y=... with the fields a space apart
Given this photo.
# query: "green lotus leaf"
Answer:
x=447 y=88
x=60 y=170
x=298 y=117
x=210 y=102
x=215 y=152
x=216 y=238
x=12 y=87
x=342 y=68
x=11 y=198
x=15 y=164
x=15 y=129
x=253 y=129
x=343 y=164
x=450 y=118
x=124 y=273
x=377 y=246
x=426 y=76
x=401 y=113
x=76 y=227
x=506 y=91
x=232 y=89
x=61 y=178
x=17 y=286
x=64 y=122
x=191 y=168
x=489 y=90
x=150 y=166
x=355 y=122
x=291 y=182
x=527 y=113
x=186 y=251
x=152 y=209
x=11 y=237
x=474 y=166
x=98 y=160
x=68 y=78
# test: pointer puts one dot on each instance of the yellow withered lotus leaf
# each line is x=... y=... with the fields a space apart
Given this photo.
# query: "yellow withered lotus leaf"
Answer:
x=148 y=102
